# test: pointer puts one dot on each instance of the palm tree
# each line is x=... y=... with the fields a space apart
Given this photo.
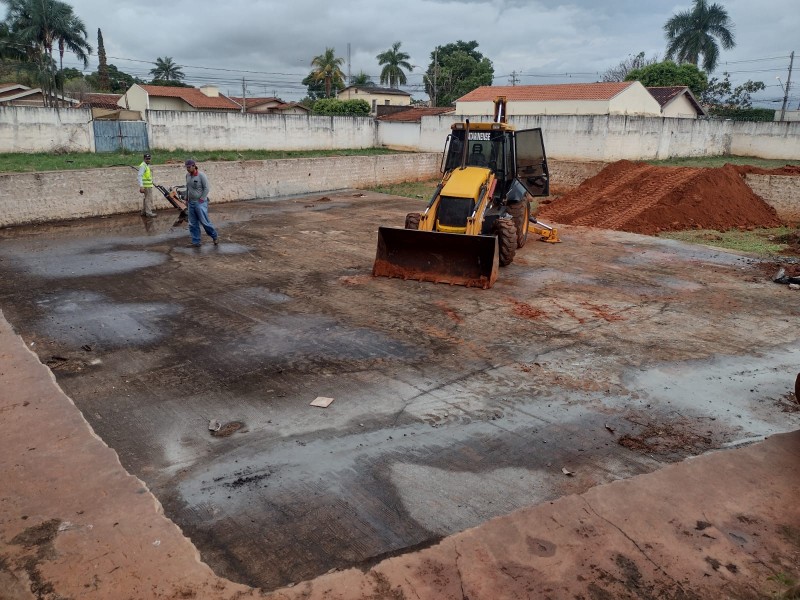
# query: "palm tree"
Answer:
x=692 y=33
x=73 y=38
x=362 y=79
x=328 y=68
x=41 y=24
x=394 y=62
x=166 y=70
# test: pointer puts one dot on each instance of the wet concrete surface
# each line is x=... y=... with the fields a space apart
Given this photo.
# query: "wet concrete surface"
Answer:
x=608 y=355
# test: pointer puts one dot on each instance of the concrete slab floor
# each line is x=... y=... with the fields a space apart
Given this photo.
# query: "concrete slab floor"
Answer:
x=609 y=355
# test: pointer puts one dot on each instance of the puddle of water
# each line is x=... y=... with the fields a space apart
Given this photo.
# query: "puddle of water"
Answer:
x=78 y=318
x=316 y=337
x=739 y=392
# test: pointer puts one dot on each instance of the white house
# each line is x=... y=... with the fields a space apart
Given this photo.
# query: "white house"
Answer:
x=608 y=98
x=375 y=96
x=677 y=101
x=159 y=97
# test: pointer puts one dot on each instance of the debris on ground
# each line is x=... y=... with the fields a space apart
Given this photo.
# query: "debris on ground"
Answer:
x=322 y=402
x=641 y=198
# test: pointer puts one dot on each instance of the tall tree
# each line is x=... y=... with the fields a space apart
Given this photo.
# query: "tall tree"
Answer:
x=166 y=71
x=362 y=79
x=456 y=69
x=394 y=62
x=667 y=73
x=102 y=66
x=73 y=38
x=620 y=72
x=328 y=69
x=694 y=33
x=40 y=25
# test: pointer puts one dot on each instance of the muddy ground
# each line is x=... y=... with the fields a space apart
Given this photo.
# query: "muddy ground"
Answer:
x=608 y=355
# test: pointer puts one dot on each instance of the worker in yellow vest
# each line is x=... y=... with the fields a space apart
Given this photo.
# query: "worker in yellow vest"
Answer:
x=146 y=187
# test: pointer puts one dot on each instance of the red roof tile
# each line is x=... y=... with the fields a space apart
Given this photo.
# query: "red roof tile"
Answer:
x=101 y=100
x=416 y=114
x=546 y=93
x=192 y=96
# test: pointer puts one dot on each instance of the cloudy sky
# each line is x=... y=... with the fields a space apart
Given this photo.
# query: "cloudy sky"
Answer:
x=270 y=43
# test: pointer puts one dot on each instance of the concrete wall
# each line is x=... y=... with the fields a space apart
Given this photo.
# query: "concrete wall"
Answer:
x=237 y=131
x=567 y=137
x=607 y=138
x=35 y=129
x=780 y=191
x=59 y=195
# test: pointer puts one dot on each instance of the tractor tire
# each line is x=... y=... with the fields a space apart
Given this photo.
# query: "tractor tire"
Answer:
x=520 y=213
x=506 y=240
x=412 y=220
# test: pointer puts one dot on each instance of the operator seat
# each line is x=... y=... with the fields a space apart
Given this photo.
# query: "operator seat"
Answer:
x=477 y=159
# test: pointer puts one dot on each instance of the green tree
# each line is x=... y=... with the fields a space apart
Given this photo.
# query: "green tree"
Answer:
x=694 y=32
x=315 y=89
x=102 y=67
x=620 y=72
x=456 y=69
x=667 y=73
x=328 y=69
x=118 y=82
x=166 y=71
x=395 y=63
x=39 y=26
x=336 y=107
x=721 y=94
x=362 y=79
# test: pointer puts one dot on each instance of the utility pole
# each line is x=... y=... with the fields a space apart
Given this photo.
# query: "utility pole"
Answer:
x=244 y=93
x=514 y=79
x=788 y=83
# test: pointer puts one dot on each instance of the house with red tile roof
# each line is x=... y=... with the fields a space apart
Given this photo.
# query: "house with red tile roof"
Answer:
x=270 y=105
x=606 y=98
x=414 y=114
x=142 y=97
x=16 y=94
x=677 y=101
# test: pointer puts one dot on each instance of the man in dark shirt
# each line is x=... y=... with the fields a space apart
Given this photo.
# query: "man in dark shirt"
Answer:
x=197 y=189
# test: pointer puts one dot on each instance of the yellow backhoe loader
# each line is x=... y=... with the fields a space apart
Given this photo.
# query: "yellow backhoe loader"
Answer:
x=480 y=212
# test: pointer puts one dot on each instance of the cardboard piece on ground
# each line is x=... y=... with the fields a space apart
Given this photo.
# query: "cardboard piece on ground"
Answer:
x=322 y=402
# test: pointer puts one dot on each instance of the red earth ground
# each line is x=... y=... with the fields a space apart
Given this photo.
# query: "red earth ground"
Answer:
x=642 y=198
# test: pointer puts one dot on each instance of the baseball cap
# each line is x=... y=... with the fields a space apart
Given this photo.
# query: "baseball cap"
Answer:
x=147 y=155
x=191 y=163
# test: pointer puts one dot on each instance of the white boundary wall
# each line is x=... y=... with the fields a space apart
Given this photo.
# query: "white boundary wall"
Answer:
x=59 y=195
x=581 y=138
x=610 y=138
x=170 y=130
x=29 y=129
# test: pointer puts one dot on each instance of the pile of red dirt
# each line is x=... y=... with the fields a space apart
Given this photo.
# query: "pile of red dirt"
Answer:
x=642 y=198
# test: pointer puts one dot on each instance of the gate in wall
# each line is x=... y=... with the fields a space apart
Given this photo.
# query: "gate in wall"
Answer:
x=116 y=136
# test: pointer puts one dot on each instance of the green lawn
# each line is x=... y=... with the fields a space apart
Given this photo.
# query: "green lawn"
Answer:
x=719 y=161
x=23 y=163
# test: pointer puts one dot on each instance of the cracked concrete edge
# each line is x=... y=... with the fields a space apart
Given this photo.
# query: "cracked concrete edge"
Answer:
x=113 y=538
x=717 y=525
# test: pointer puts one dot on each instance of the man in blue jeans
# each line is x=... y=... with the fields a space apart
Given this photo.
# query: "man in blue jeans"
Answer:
x=197 y=189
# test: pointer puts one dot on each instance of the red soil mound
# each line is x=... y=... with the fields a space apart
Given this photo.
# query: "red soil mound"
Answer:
x=641 y=198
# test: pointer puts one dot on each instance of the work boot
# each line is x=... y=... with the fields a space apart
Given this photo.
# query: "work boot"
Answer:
x=150 y=215
x=216 y=241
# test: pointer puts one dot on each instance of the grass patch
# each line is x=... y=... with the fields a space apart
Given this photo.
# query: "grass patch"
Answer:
x=762 y=242
x=719 y=161
x=25 y=163
x=409 y=189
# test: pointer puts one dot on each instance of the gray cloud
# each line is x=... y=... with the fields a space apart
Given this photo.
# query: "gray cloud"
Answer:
x=541 y=42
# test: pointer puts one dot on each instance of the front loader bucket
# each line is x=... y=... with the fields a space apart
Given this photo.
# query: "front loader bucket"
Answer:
x=470 y=260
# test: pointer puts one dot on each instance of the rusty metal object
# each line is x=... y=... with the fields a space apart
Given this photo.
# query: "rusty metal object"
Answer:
x=469 y=260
